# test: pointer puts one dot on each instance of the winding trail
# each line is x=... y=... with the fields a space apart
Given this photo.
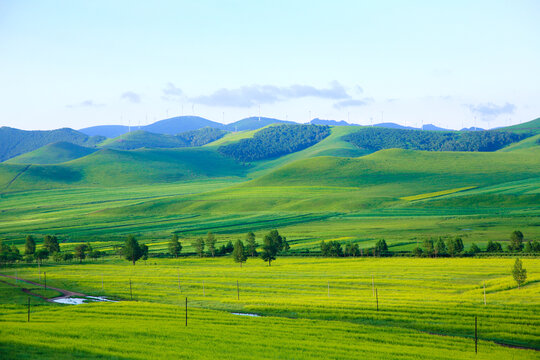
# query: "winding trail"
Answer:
x=16 y=176
x=65 y=293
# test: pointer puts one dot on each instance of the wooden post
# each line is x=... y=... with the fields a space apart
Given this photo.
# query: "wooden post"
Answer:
x=237 y=290
x=475 y=335
x=377 y=297
x=28 y=320
x=186 y=310
x=373 y=284
x=484 y=293
x=130 y=291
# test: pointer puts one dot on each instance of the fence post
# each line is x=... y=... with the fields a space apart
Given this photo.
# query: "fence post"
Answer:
x=377 y=297
x=475 y=335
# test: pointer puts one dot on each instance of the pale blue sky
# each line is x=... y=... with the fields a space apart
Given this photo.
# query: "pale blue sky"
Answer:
x=83 y=63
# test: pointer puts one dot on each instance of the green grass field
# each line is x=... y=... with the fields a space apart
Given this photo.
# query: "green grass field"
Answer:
x=309 y=307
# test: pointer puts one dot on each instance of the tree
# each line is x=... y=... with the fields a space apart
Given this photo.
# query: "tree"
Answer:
x=474 y=249
x=272 y=244
x=418 y=251
x=80 y=252
x=440 y=247
x=132 y=250
x=211 y=243
x=9 y=254
x=51 y=244
x=144 y=252
x=381 y=248
x=198 y=245
x=494 y=246
x=239 y=253
x=29 y=245
x=175 y=248
x=428 y=246
x=352 y=250
x=519 y=273
x=454 y=246
x=41 y=255
x=528 y=247
x=516 y=241
x=251 y=244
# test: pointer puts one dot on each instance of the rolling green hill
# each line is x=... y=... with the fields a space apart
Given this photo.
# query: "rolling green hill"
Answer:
x=532 y=127
x=14 y=142
x=109 y=167
x=55 y=153
x=375 y=181
x=142 y=139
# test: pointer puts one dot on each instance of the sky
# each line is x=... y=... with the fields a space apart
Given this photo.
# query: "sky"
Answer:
x=450 y=63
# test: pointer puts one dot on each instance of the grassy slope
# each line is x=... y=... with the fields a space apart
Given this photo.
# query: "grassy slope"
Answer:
x=120 y=168
x=532 y=126
x=139 y=139
x=531 y=142
x=53 y=154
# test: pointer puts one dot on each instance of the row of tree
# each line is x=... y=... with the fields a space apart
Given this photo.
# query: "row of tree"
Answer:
x=273 y=244
x=50 y=249
x=431 y=248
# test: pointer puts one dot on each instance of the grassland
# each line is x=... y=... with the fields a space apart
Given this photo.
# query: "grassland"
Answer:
x=309 y=307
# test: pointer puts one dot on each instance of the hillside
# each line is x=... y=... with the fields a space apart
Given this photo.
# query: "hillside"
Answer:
x=142 y=139
x=14 y=142
x=532 y=127
x=387 y=179
x=275 y=141
x=55 y=153
x=110 y=167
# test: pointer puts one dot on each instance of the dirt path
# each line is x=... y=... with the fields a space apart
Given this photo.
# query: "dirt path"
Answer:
x=65 y=293
x=16 y=176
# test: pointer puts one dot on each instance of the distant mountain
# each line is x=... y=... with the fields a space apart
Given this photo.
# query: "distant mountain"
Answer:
x=431 y=127
x=14 y=142
x=254 y=123
x=318 y=121
x=55 y=153
x=109 y=131
x=390 y=125
x=171 y=126
x=472 y=128
x=180 y=124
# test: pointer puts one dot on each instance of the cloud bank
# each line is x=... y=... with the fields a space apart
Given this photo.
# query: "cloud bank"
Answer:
x=248 y=96
x=85 y=103
x=491 y=110
x=131 y=97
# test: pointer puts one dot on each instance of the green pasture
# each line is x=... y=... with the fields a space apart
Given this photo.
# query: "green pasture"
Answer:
x=316 y=307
